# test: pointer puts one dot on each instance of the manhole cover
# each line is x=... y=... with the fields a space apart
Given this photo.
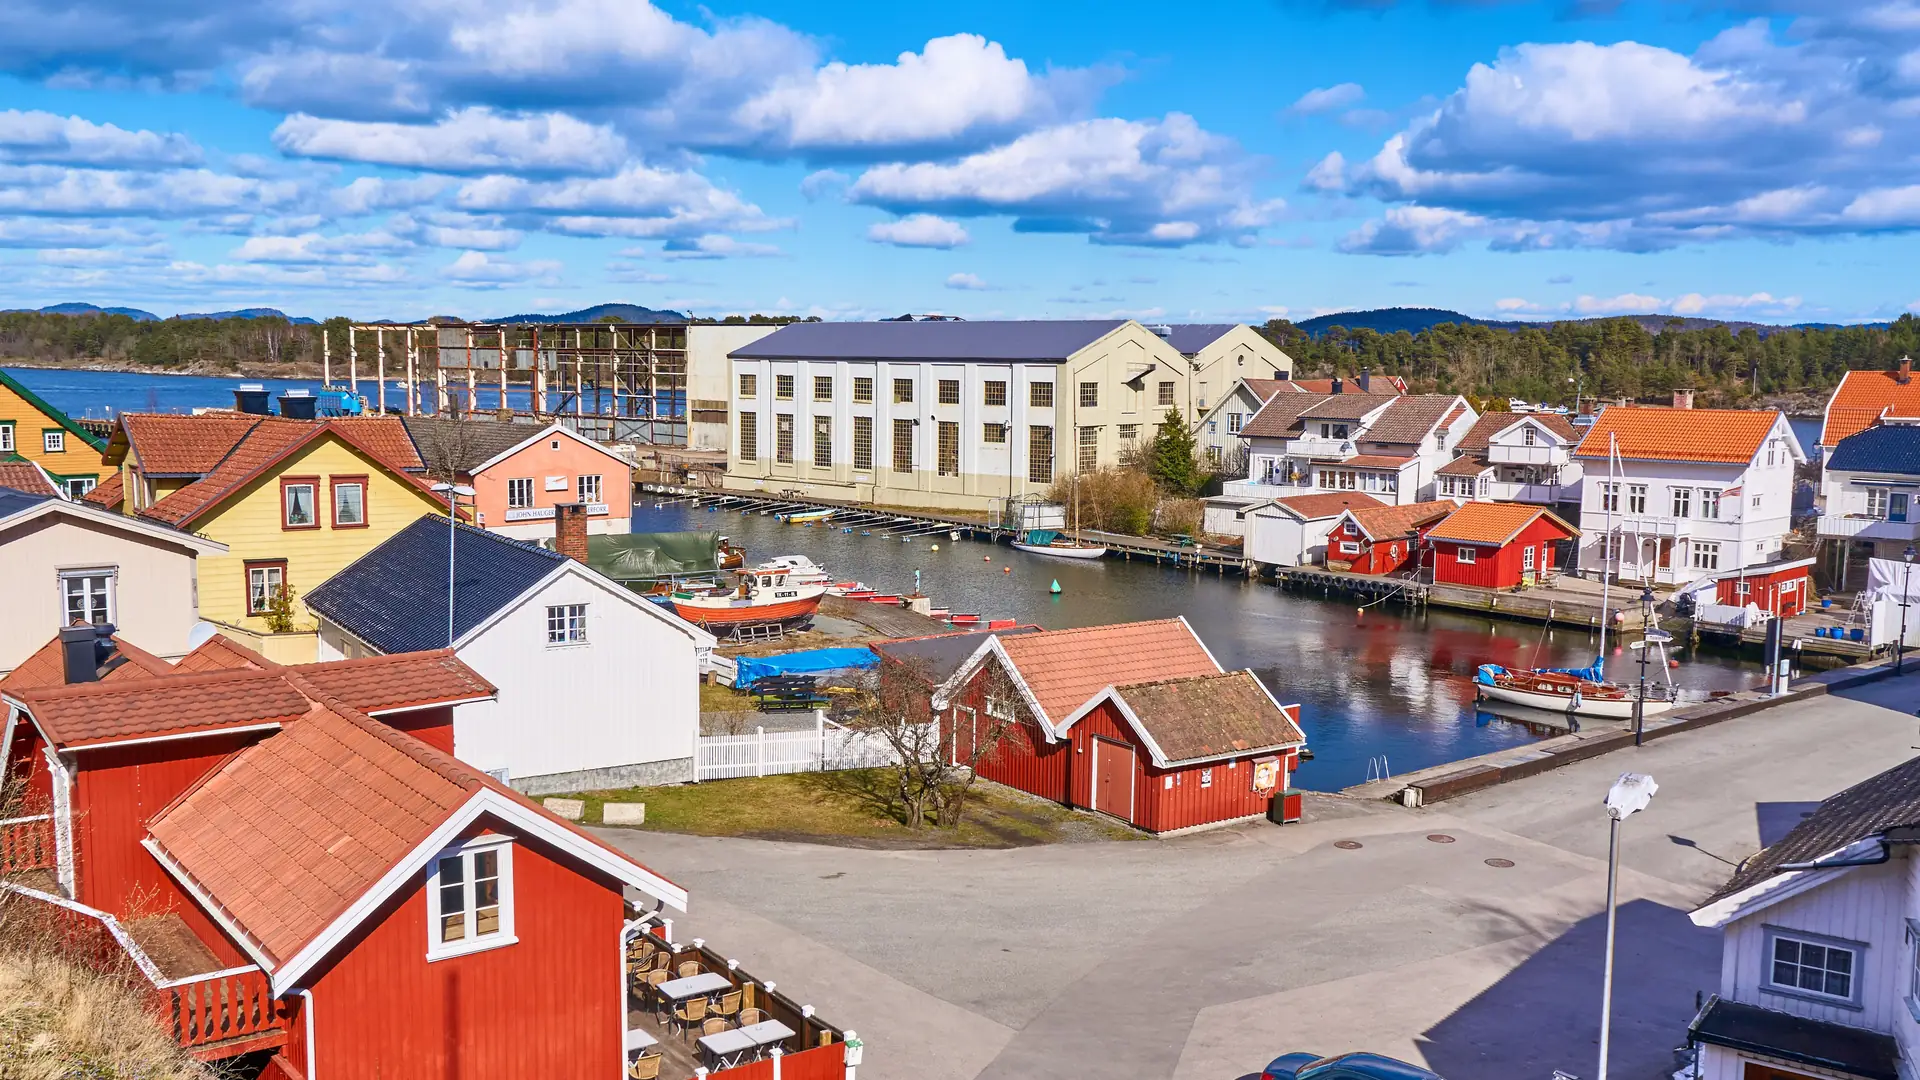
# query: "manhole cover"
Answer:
x=1348 y=845
x=1500 y=864
x=1440 y=838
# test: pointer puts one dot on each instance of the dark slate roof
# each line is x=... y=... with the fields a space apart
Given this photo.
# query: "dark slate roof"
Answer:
x=1884 y=448
x=13 y=502
x=463 y=443
x=1037 y=339
x=937 y=657
x=1190 y=338
x=394 y=598
x=1819 y=1043
x=1870 y=807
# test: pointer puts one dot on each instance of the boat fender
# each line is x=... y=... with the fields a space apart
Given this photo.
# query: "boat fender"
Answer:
x=1006 y=569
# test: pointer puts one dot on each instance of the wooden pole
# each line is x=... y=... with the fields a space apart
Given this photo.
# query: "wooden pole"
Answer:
x=326 y=359
x=503 y=371
x=380 y=366
x=353 y=361
x=413 y=388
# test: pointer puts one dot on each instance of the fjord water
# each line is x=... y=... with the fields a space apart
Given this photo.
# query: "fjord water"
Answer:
x=1372 y=683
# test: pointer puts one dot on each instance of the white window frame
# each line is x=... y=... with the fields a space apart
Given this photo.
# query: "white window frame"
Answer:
x=1855 y=974
x=1877 y=500
x=588 y=488
x=6 y=438
x=1348 y=547
x=77 y=487
x=999 y=708
x=1527 y=557
x=1636 y=498
x=1681 y=502
x=1466 y=556
x=520 y=493
x=1709 y=504
x=267 y=588
x=569 y=622
x=441 y=950
x=54 y=442
x=1704 y=555
x=68 y=577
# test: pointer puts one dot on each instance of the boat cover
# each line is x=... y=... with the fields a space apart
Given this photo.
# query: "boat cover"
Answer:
x=809 y=662
x=1486 y=673
x=1040 y=537
x=1596 y=673
x=649 y=556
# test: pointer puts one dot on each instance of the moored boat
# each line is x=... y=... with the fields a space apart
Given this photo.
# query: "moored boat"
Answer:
x=1048 y=542
x=763 y=598
x=1563 y=690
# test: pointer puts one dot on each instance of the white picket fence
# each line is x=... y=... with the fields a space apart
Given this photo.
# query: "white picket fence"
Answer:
x=765 y=753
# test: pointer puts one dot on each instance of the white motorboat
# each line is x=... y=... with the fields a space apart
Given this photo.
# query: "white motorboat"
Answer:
x=804 y=571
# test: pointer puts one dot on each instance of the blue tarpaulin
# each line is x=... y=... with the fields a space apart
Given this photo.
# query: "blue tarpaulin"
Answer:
x=810 y=662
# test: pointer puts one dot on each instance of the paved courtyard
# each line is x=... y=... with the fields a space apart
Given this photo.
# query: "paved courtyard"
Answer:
x=1202 y=957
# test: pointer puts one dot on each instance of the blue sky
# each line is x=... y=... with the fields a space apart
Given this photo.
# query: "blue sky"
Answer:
x=403 y=158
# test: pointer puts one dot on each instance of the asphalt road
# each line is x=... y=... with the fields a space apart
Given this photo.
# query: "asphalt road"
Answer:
x=1202 y=957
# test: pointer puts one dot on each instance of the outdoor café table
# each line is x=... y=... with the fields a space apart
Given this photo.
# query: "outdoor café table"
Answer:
x=639 y=1040
x=725 y=1049
x=693 y=986
x=767 y=1032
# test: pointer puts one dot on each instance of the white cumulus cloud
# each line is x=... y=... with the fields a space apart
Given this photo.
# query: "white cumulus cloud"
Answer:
x=469 y=140
x=46 y=138
x=1327 y=99
x=919 y=230
x=972 y=282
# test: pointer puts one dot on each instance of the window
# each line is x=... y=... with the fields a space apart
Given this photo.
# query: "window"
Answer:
x=995 y=392
x=54 y=441
x=995 y=434
x=1212 y=428
x=863 y=442
x=822 y=441
x=1088 y=457
x=1129 y=433
x=783 y=387
x=863 y=389
x=1526 y=436
x=1808 y=965
x=1710 y=504
x=470 y=898
x=1040 y=395
x=783 y=438
x=1166 y=393
x=999 y=708
x=587 y=490
x=87 y=596
x=265 y=581
x=1877 y=502
x=1682 y=502
x=1206 y=777
x=749 y=437
x=1233 y=423
x=297 y=502
x=566 y=624
x=1913 y=969
x=6 y=438
x=1610 y=497
x=902 y=391
x=948 y=461
x=1040 y=450
x=77 y=486
x=1466 y=556
x=1526 y=559
x=1706 y=556
x=520 y=492
x=1349 y=547
x=1756 y=502
x=1089 y=395
x=749 y=385
x=903 y=446
x=823 y=388
x=349 y=501
x=1636 y=498
x=949 y=391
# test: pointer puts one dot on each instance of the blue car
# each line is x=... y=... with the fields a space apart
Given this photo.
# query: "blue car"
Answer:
x=1343 y=1067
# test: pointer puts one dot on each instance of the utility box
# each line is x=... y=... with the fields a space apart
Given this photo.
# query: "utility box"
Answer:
x=1285 y=807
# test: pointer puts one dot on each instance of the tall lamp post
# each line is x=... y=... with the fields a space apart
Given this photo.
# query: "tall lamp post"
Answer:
x=1629 y=795
x=1900 y=643
x=453 y=492
x=1643 y=647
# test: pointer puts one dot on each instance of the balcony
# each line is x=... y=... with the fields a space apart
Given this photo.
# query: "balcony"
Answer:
x=1534 y=494
x=1860 y=527
x=1322 y=448
x=1529 y=455
x=26 y=844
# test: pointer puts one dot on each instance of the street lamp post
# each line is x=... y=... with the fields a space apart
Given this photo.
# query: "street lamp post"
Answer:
x=453 y=492
x=1629 y=795
x=1645 y=646
x=1900 y=643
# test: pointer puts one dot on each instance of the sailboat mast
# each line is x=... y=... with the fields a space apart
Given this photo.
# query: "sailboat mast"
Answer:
x=1606 y=550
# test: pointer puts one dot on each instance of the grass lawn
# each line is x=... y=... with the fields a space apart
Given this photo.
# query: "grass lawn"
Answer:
x=852 y=807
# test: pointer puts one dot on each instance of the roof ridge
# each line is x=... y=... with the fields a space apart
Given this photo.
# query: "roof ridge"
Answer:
x=1063 y=631
x=174 y=678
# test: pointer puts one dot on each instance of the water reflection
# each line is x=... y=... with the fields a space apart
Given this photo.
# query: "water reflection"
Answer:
x=1370 y=681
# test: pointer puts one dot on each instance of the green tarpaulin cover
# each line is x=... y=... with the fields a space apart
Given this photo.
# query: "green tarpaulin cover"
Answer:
x=647 y=556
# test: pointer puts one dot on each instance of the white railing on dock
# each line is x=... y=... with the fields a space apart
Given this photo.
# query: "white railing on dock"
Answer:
x=824 y=748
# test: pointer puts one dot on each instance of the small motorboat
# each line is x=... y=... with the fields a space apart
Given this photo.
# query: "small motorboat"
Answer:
x=801 y=517
x=1580 y=691
x=763 y=598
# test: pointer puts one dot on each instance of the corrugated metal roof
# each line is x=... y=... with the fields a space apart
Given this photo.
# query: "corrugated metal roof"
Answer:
x=959 y=342
x=13 y=502
x=1886 y=448
x=394 y=598
x=1190 y=338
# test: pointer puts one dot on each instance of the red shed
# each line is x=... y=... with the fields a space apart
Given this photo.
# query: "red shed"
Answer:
x=1382 y=539
x=1782 y=588
x=1137 y=721
x=1496 y=545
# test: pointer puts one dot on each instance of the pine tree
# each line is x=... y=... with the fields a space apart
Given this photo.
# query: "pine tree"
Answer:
x=1171 y=460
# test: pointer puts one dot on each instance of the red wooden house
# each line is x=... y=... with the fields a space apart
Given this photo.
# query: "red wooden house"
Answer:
x=308 y=884
x=1137 y=721
x=1782 y=588
x=1496 y=545
x=1382 y=539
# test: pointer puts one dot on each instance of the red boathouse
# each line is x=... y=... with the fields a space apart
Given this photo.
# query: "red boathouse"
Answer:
x=1382 y=540
x=1782 y=588
x=1136 y=721
x=1496 y=545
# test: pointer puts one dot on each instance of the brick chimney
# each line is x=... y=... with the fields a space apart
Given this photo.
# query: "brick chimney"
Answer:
x=1904 y=375
x=570 y=530
x=1683 y=399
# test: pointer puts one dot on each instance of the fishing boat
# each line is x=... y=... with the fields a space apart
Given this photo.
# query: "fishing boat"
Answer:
x=763 y=598
x=1581 y=691
x=805 y=571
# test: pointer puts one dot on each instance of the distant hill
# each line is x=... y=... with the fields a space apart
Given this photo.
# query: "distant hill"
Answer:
x=622 y=312
x=250 y=313
x=1414 y=320
x=93 y=309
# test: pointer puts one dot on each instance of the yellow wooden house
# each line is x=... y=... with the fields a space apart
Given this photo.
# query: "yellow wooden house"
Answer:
x=36 y=431
x=295 y=502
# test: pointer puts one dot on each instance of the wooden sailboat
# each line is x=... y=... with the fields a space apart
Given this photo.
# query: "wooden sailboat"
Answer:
x=1048 y=542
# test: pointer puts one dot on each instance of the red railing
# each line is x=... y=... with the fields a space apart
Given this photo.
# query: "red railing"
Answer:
x=27 y=844
x=222 y=1007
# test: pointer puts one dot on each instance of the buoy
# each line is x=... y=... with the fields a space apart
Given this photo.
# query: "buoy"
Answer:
x=986 y=558
x=1673 y=664
x=1054 y=588
x=935 y=547
x=1006 y=569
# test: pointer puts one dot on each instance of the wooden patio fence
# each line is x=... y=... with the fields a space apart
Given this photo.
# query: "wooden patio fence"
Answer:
x=27 y=844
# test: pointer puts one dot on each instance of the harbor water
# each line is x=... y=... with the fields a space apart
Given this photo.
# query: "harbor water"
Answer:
x=1379 y=687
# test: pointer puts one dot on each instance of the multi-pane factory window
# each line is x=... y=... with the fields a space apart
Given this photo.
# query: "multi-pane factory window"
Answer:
x=822 y=441
x=863 y=441
x=749 y=385
x=783 y=387
x=1040 y=395
x=823 y=388
x=1166 y=393
x=863 y=389
x=995 y=392
x=1040 y=452
x=949 y=448
x=949 y=391
x=1089 y=395
x=993 y=433
x=783 y=438
x=903 y=446
x=902 y=390
x=749 y=427
x=1089 y=449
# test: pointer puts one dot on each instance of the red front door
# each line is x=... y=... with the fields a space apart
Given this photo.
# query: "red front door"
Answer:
x=1113 y=778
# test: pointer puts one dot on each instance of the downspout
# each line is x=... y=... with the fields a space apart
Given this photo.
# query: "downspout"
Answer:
x=306 y=1010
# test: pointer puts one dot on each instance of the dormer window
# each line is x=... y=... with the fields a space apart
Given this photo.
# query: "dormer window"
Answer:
x=470 y=898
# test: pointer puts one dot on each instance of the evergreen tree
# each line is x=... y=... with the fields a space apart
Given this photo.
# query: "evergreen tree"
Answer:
x=1171 y=460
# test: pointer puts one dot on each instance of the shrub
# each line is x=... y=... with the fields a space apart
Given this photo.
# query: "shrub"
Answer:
x=1111 y=499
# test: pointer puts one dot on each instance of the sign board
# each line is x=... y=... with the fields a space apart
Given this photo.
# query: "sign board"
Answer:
x=1266 y=774
x=542 y=513
x=556 y=483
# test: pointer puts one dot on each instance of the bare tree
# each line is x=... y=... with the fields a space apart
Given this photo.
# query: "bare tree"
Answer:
x=895 y=709
x=995 y=710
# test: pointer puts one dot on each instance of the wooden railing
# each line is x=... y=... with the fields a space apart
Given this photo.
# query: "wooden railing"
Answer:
x=27 y=844
x=224 y=1005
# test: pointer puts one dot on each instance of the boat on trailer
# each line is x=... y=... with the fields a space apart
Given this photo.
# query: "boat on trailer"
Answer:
x=764 y=598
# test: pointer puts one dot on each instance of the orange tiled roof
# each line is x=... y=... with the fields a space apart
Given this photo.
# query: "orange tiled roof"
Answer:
x=385 y=436
x=1372 y=461
x=1264 y=389
x=1210 y=715
x=377 y=684
x=1327 y=505
x=172 y=445
x=1395 y=522
x=48 y=666
x=109 y=711
x=109 y=492
x=26 y=476
x=1718 y=436
x=221 y=653
x=1862 y=397
x=1063 y=668
x=271 y=441
x=1492 y=523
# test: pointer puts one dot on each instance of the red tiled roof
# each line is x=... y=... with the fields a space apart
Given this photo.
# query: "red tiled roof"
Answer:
x=1720 y=436
x=1211 y=715
x=1279 y=418
x=48 y=666
x=1371 y=461
x=1411 y=418
x=1466 y=465
x=1479 y=436
x=1492 y=523
x=1349 y=407
x=1327 y=505
x=385 y=436
x=109 y=492
x=170 y=445
x=110 y=711
x=1860 y=399
x=1397 y=522
x=378 y=684
x=1394 y=383
x=1264 y=389
x=270 y=442
x=26 y=476
x=1064 y=668
x=221 y=653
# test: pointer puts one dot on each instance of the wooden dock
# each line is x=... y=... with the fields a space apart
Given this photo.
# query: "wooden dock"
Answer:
x=1544 y=604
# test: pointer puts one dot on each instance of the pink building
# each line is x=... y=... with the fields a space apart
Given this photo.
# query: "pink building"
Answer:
x=520 y=472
